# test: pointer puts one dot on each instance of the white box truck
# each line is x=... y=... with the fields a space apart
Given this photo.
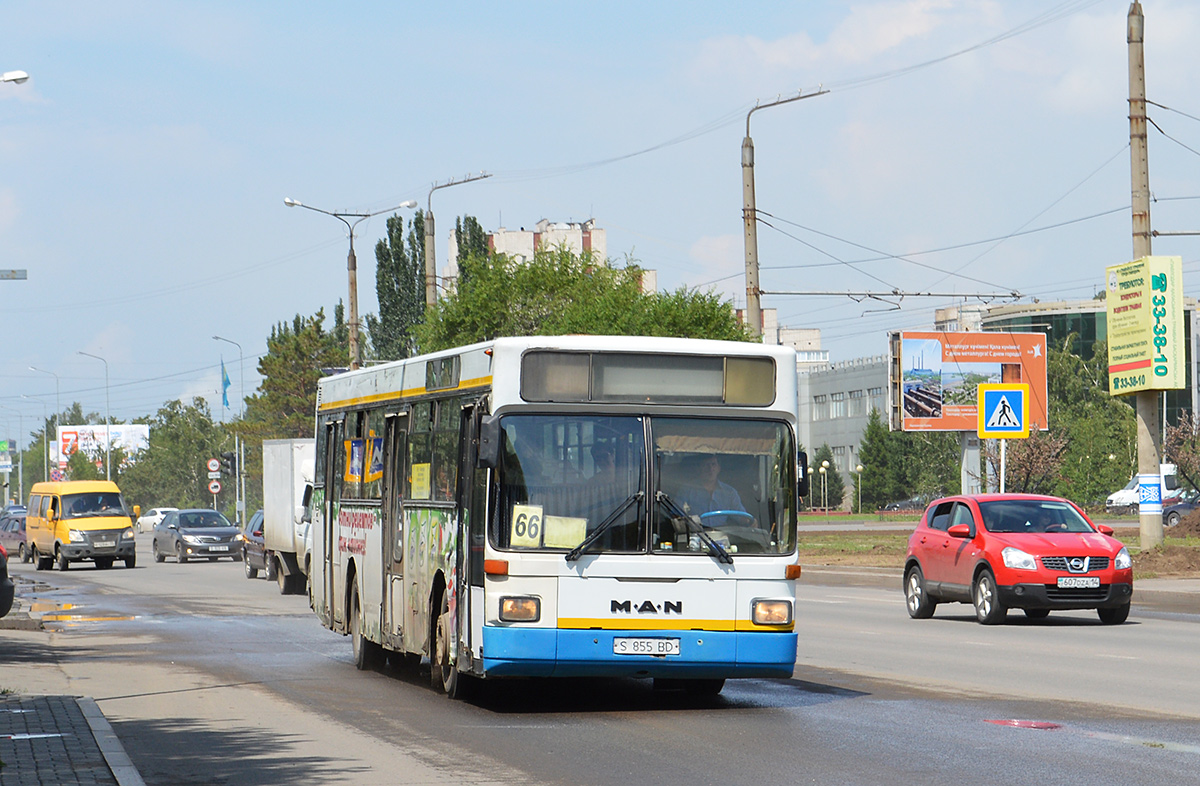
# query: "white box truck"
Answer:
x=287 y=489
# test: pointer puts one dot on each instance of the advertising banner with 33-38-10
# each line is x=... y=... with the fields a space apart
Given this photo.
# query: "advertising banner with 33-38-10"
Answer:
x=1145 y=325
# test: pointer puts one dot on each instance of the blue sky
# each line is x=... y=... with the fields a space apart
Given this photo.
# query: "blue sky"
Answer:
x=143 y=166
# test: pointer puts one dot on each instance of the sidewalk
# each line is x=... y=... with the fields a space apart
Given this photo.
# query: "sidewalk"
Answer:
x=53 y=740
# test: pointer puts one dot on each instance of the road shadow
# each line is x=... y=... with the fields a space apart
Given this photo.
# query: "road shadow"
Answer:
x=177 y=751
x=20 y=650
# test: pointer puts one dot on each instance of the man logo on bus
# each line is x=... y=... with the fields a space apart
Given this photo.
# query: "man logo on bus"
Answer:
x=647 y=607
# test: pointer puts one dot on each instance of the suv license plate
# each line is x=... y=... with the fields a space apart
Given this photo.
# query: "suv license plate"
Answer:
x=646 y=646
x=218 y=548
x=1078 y=582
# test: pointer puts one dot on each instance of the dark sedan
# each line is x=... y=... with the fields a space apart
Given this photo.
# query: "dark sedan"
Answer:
x=8 y=590
x=254 y=551
x=12 y=535
x=194 y=534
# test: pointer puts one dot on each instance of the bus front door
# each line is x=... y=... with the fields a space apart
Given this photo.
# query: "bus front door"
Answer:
x=395 y=601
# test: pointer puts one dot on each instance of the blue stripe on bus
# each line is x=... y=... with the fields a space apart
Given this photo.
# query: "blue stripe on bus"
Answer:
x=548 y=652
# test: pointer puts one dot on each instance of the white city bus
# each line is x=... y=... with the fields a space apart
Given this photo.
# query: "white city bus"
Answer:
x=563 y=506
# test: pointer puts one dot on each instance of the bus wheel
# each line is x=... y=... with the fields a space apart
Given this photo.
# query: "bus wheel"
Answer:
x=63 y=562
x=442 y=674
x=367 y=654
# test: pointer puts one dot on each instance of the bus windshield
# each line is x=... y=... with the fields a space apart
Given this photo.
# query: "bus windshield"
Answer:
x=671 y=485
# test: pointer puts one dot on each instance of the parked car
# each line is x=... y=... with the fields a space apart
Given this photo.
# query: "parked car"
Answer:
x=195 y=533
x=1174 y=510
x=254 y=551
x=912 y=503
x=147 y=520
x=12 y=535
x=8 y=590
x=1002 y=551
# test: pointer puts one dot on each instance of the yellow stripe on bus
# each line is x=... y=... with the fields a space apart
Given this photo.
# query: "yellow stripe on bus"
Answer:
x=583 y=623
x=403 y=394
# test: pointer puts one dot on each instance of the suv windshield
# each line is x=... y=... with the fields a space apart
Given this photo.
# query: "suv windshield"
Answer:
x=725 y=480
x=96 y=503
x=1024 y=515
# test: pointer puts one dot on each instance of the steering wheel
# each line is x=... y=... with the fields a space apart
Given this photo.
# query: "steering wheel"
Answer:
x=738 y=513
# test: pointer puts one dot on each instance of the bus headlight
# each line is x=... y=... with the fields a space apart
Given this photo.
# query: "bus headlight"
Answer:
x=127 y=534
x=76 y=536
x=771 y=612
x=524 y=609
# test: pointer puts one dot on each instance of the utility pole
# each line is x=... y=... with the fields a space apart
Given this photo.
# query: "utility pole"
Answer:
x=430 y=260
x=750 y=217
x=1148 y=438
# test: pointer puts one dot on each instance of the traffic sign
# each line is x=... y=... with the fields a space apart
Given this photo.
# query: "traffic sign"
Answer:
x=214 y=486
x=214 y=475
x=214 y=465
x=1003 y=411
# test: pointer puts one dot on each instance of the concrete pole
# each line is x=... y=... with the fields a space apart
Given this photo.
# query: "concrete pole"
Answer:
x=430 y=261
x=750 y=221
x=352 y=270
x=1149 y=444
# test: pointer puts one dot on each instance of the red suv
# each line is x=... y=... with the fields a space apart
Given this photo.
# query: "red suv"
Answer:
x=1002 y=551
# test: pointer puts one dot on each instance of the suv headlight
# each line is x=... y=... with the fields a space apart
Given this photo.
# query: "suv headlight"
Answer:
x=1123 y=561
x=76 y=536
x=1017 y=559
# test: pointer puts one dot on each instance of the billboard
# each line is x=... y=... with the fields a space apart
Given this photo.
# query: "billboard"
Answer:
x=935 y=377
x=92 y=440
x=1144 y=304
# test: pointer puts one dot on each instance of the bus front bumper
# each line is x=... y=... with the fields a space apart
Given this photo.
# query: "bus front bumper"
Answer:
x=551 y=652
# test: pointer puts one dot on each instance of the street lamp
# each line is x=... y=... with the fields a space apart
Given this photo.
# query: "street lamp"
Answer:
x=351 y=264
x=858 y=469
x=45 y=444
x=16 y=77
x=107 y=417
x=824 y=468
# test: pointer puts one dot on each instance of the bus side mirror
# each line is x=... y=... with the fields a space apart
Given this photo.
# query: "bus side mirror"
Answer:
x=306 y=505
x=802 y=474
x=489 y=442
x=137 y=511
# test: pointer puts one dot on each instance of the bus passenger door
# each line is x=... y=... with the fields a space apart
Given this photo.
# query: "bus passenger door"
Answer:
x=471 y=501
x=395 y=605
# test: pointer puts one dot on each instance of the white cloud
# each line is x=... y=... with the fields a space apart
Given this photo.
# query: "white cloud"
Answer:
x=715 y=257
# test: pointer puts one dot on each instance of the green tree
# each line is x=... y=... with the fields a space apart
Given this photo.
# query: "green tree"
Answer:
x=470 y=237
x=171 y=470
x=399 y=288
x=898 y=465
x=298 y=354
x=560 y=292
x=1100 y=430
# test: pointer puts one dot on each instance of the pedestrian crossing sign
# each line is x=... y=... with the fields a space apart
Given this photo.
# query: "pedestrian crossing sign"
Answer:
x=1003 y=411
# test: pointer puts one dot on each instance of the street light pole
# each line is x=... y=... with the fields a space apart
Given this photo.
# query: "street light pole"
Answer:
x=430 y=254
x=57 y=401
x=750 y=217
x=351 y=265
x=45 y=444
x=16 y=77
x=107 y=418
x=859 y=471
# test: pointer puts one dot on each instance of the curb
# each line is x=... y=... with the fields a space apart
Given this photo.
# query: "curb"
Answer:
x=110 y=747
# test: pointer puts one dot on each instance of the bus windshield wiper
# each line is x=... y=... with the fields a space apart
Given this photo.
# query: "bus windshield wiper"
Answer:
x=715 y=550
x=574 y=553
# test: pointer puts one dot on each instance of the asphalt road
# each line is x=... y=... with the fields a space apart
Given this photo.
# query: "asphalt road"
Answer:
x=208 y=677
